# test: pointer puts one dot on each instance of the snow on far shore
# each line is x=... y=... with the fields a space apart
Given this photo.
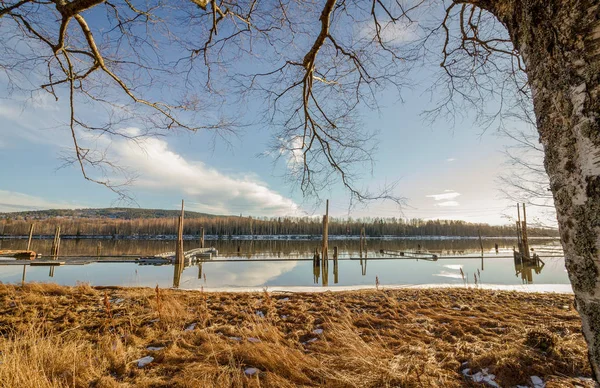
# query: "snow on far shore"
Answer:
x=543 y=288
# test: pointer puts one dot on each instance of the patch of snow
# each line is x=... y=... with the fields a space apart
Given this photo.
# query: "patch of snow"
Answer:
x=466 y=371
x=191 y=327
x=284 y=299
x=284 y=317
x=318 y=331
x=260 y=314
x=251 y=371
x=118 y=300
x=253 y=340
x=235 y=338
x=142 y=362
x=155 y=320
x=537 y=382
x=484 y=377
x=155 y=348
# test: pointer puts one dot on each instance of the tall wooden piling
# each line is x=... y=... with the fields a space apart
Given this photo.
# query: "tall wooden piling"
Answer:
x=99 y=250
x=179 y=247
x=54 y=251
x=325 y=248
x=363 y=242
x=201 y=237
x=525 y=241
x=30 y=237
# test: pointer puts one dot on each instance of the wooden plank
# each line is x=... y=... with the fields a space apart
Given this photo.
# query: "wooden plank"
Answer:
x=52 y=263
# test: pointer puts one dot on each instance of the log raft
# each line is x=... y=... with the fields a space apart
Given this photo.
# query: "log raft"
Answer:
x=19 y=254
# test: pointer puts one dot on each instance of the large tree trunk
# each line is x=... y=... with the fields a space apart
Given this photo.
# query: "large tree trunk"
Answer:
x=560 y=43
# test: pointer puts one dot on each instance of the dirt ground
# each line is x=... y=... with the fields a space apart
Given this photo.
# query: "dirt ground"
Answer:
x=55 y=336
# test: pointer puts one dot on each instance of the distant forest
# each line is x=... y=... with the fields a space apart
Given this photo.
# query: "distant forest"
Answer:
x=144 y=222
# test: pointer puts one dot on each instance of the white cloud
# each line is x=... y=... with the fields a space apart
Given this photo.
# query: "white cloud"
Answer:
x=450 y=160
x=391 y=33
x=206 y=189
x=444 y=196
x=11 y=201
x=447 y=204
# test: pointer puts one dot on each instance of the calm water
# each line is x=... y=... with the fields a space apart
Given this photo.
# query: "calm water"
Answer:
x=284 y=263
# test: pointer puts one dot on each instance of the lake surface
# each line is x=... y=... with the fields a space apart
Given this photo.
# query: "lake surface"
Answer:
x=289 y=263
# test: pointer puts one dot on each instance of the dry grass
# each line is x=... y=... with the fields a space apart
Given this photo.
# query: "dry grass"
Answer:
x=53 y=336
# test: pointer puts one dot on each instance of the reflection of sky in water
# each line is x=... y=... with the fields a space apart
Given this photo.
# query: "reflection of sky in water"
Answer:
x=293 y=273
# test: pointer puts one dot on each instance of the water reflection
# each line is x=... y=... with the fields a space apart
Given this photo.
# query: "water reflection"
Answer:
x=256 y=248
x=525 y=267
x=240 y=272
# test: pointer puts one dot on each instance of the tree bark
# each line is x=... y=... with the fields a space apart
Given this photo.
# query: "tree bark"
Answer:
x=559 y=41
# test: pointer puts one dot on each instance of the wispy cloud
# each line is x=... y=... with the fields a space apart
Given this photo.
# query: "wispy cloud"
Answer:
x=161 y=169
x=391 y=33
x=450 y=160
x=447 y=204
x=11 y=201
x=444 y=196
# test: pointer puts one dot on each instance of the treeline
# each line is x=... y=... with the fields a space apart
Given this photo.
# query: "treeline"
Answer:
x=231 y=226
x=121 y=213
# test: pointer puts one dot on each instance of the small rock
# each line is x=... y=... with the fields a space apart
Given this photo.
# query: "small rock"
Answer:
x=537 y=382
x=191 y=327
x=318 y=331
x=142 y=362
x=251 y=371
x=235 y=338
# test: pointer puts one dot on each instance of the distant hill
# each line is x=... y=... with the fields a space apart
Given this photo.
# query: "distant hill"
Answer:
x=118 y=213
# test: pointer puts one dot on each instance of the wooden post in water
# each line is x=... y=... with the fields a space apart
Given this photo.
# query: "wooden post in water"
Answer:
x=30 y=237
x=325 y=248
x=519 y=230
x=525 y=241
x=99 y=250
x=362 y=241
x=481 y=245
x=202 y=237
x=55 y=244
x=23 y=277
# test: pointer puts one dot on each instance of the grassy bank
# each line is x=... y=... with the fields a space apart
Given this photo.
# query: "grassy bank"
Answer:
x=81 y=336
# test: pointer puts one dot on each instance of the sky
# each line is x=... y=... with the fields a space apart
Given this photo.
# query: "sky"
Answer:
x=442 y=170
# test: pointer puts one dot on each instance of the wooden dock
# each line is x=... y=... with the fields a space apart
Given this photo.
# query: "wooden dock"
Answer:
x=410 y=255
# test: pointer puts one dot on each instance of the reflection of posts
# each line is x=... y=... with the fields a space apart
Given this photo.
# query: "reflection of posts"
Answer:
x=177 y=271
x=325 y=271
x=335 y=272
x=524 y=267
x=363 y=266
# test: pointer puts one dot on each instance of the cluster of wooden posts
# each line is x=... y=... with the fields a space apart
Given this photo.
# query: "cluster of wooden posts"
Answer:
x=522 y=242
x=321 y=259
x=179 y=251
x=526 y=260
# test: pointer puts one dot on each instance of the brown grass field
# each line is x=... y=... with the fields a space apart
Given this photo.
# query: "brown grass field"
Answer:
x=54 y=336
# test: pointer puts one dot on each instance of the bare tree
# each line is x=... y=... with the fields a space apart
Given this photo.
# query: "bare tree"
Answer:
x=314 y=63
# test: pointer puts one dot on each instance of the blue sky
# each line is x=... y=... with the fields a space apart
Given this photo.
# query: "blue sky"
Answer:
x=444 y=170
